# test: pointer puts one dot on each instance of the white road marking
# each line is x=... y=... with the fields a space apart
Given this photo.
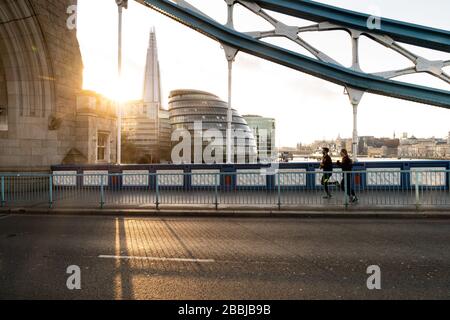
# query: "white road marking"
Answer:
x=4 y=216
x=156 y=259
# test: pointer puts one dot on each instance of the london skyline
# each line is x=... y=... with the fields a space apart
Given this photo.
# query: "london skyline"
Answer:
x=298 y=102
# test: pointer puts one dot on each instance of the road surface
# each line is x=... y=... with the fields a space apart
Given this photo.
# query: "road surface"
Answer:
x=222 y=258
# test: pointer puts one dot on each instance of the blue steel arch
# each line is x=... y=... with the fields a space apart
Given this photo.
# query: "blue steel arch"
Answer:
x=413 y=34
x=410 y=33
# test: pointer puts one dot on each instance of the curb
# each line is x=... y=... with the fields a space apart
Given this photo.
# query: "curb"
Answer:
x=307 y=214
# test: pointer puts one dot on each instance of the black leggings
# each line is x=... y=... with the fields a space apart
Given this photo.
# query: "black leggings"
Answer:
x=350 y=191
x=326 y=182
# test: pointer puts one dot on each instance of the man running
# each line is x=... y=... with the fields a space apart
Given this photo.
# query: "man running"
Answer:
x=327 y=166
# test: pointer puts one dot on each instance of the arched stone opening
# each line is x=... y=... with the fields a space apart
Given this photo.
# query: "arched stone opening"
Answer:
x=26 y=63
x=40 y=77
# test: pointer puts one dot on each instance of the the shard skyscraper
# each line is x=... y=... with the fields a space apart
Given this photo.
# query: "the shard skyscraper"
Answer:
x=152 y=78
x=146 y=124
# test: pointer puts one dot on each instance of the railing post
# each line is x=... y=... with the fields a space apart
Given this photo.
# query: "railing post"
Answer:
x=216 y=191
x=157 y=191
x=447 y=175
x=50 y=190
x=346 y=199
x=102 y=192
x=279 y=190
x=417 y=186
x=3 y=200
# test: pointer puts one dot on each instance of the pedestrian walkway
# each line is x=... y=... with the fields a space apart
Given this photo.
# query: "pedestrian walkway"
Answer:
x=93 y=198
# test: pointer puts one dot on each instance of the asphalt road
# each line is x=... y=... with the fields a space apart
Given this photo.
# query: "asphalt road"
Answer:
x=222 y=258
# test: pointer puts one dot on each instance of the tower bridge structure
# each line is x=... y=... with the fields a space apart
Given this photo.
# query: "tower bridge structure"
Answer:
x=387 y=32
x=45 y=116
x=326 y=18
x=43 y=120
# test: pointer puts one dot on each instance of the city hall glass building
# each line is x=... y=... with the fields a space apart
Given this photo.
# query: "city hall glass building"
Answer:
x=187 y=107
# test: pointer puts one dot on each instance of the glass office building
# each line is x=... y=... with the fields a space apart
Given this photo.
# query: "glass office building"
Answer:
x=190 y=107
x=264 y=130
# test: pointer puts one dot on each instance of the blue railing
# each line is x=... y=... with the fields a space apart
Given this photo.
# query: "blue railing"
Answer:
x=364 y=169
x=423 y=185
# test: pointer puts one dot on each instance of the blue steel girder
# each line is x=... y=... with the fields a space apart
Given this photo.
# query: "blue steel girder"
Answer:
x=327 y=71
x=399 y=31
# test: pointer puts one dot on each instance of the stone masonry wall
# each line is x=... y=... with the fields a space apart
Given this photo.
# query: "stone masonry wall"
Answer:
x=42 y=68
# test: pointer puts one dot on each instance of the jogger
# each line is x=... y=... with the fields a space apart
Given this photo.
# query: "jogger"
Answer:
x=327 y=166
x=347 y=167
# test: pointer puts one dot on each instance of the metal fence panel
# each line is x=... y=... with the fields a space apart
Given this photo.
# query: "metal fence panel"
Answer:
x=298 y=188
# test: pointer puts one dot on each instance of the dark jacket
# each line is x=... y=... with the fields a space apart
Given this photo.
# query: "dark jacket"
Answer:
x=326 y=164
x=346 y=164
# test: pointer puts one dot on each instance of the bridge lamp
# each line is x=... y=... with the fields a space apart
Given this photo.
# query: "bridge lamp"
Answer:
x=121 y=4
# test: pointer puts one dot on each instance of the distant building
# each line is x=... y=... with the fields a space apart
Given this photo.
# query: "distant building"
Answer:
x=378 y=147
x=442 y=151
x=188 y=107
x=366 y=142
x=375 y=152
x=165 y=133
x=145 y=122
x=304 y=150
x=368 y=146
x=382 y=152
x=334 y=146
x=431 y=148
x=264 y=131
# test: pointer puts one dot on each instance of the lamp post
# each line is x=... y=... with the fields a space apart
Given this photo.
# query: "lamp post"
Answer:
x=355 y=96
x=230 y=54
x=121 y=4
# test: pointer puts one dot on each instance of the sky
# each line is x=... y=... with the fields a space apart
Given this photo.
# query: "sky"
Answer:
x=305 y=108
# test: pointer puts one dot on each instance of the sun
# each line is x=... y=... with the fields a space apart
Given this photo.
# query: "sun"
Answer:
x=108 y=85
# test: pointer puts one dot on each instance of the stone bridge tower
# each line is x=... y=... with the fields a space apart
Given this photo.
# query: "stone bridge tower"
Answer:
x=40 y=78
